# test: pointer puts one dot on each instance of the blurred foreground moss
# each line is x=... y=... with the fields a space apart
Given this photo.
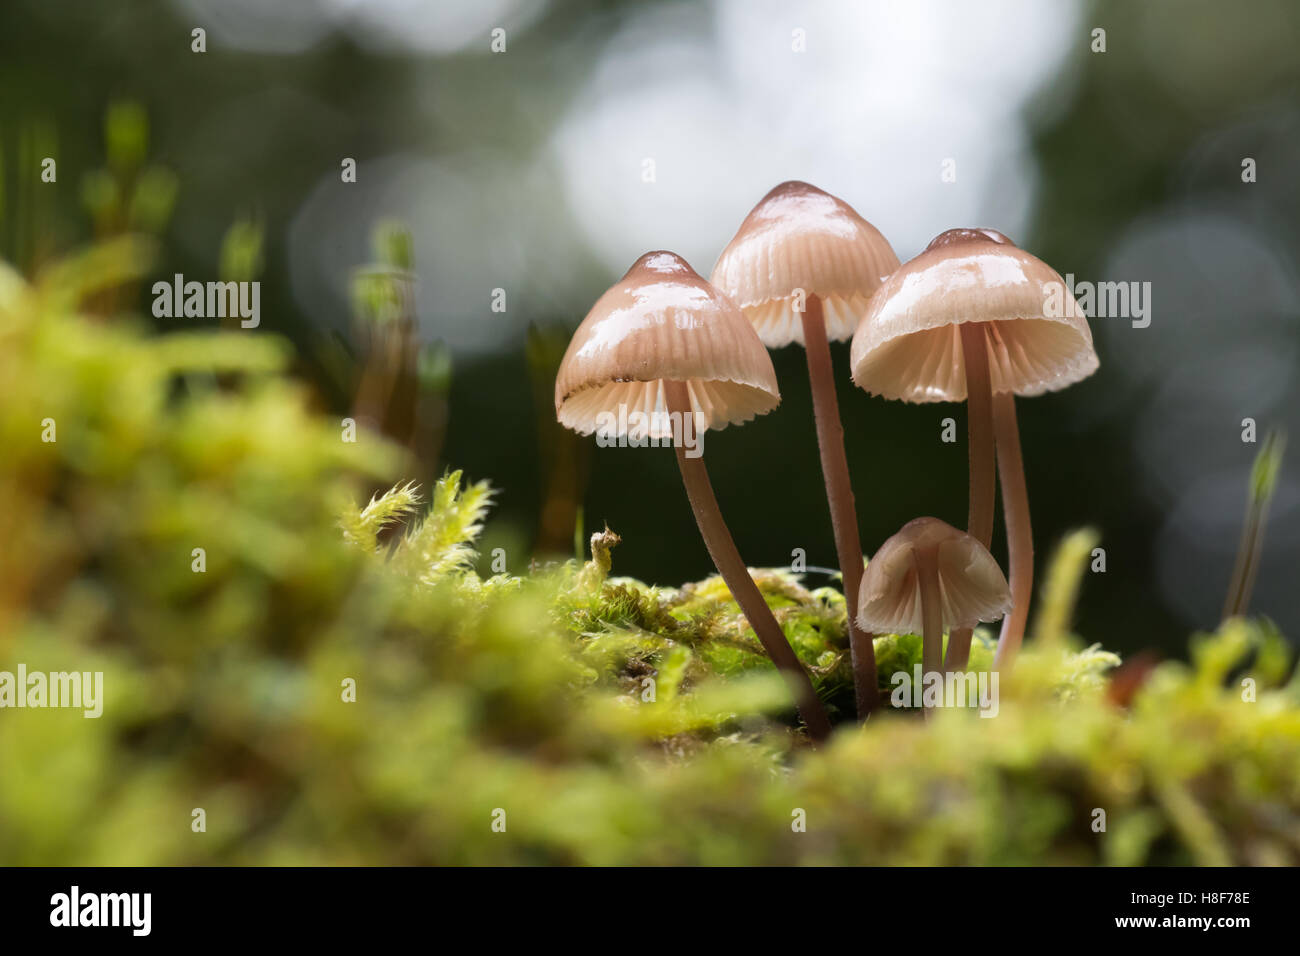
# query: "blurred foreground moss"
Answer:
x=610 y=721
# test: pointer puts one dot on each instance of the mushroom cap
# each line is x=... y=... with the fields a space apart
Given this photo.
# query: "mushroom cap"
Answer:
x=663 y=322
x=799 y=237
x=908 y=345
x=971 y=585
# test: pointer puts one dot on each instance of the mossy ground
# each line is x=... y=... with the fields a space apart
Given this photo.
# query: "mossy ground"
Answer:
x=524 y=694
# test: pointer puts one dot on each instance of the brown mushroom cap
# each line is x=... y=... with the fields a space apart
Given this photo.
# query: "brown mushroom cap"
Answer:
x=663 y=322
x=908 y=345
x=972 y=586
x=799 y=237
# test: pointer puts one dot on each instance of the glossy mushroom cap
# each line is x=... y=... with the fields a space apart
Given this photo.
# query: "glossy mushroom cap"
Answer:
x=908 y=345
x=971 y=585
x=799 y=237
x=663 y=322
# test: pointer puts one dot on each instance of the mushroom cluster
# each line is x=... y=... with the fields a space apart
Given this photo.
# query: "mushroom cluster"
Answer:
x=665 y=355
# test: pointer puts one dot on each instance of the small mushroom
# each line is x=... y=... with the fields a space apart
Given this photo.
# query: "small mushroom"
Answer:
x=974 y=317
x=927 y=579
x=802 y=267
x=664 y=352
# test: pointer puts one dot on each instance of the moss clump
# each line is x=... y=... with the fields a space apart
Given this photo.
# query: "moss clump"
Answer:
x=609 y=720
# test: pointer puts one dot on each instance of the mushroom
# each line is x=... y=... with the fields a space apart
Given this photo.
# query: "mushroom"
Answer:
x=802 y=268
x=661 y=357
x=930 y=578
x=974 y=301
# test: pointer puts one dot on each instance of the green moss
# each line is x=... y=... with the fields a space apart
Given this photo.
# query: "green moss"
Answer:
x=613 y=721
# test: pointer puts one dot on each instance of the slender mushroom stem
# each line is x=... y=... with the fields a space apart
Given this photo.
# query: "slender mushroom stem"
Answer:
x=979 y=415
x=1020 y=538
x=927 y=573
x=722 y=548
x=839 y=496
x=979 y=402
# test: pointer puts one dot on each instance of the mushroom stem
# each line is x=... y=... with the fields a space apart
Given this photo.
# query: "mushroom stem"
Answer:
x=1020 y=538
x=722 y=548
x=958 y=657
x=927 y=573
x=839 y=497
x=979 y=415
x=979 y=402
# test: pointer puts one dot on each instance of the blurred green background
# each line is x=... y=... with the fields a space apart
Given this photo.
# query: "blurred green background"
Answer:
x=605 y=129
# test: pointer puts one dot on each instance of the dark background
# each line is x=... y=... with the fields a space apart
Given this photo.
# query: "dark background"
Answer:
x=523 y=171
